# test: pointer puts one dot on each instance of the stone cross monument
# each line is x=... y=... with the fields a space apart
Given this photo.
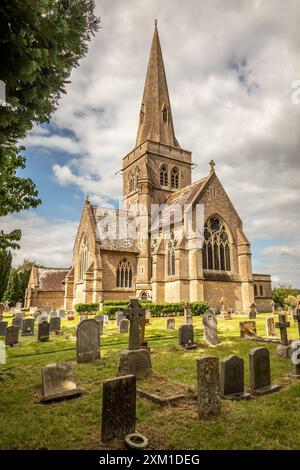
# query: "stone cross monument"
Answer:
x=133 y=314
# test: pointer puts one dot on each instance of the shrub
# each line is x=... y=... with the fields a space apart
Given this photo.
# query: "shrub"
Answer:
x=86 y=308
x=110 y=310
x=199 y=308
x=159 y=309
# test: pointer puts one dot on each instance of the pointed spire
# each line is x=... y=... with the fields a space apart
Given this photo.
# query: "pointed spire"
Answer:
x=156 y=121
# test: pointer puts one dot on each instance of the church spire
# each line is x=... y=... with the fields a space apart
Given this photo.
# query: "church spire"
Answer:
x=156 y=121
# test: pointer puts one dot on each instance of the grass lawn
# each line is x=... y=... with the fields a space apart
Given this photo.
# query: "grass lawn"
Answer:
x=269 y=422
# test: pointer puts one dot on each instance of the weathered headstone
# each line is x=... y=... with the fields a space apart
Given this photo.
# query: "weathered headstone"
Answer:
x=55 y=324
x=247 y=329
x=62 y=313
x=119 y=316
x=295 y=358
x=135 y=360
x=3 y=326
x=12 y=336
x=17 y=322
x=100 y=320
x=42 y=317
x=284 y=349
x=88 y=341
x=270 y=326
x=260 y=374
x=43 y=331
x=210 y=326
x=171 y=324
x=58 y=382
x=232 y=379
x=253 y=311
x=28 y=327
x=105 y=319
x=124 y=326
x=53 y=314
x=186 y=311
x=226 y=315
x=186 y=335
x=118 y=407
x=208 y=386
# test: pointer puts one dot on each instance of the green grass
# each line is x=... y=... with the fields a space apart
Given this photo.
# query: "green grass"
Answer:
x=270 y=422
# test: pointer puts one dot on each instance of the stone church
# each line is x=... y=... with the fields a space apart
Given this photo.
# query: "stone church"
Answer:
x=144 y=249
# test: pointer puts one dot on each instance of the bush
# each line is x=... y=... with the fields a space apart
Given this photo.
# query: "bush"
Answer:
x=199 y=308
x=110 y=310
x=86 y=308
x=158 y=309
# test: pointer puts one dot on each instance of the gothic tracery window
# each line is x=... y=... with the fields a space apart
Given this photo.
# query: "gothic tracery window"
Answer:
x=163 y=175
x=216 y=249
x=175 y=178
x=83 y=258
x=124 y=274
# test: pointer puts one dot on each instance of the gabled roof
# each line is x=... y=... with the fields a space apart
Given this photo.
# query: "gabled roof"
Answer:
x=187 y=194
x=51 y=279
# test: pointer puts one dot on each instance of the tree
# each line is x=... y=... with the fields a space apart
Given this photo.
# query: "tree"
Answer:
x=5 y=265
x=11 y=295
x=23 y=274
x=282 y=292
x=41 y=42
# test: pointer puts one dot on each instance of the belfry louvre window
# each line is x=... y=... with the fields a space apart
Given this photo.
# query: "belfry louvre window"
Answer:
x=124 y=274
x=216 y=249
x=175 y=178
x=163 y=175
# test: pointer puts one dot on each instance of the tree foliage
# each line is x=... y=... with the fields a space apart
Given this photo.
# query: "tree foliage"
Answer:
x=23 y=274
x=11 y=295
x=5 y=265
x=282 y=292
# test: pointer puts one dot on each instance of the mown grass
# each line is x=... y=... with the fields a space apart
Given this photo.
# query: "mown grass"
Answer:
x=270 y=422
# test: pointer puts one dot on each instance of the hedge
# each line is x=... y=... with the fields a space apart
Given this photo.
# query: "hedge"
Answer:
x=86 y=308
x=159 y=309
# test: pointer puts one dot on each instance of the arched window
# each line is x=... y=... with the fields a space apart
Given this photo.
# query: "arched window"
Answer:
x=124 y=274
x=216 y=249
x=165 y=113
x=144 y=295
x=255 y=290
x=131 y=182
x=163 y=175
x=171 y=255
x=175 y=178
x=83 y=258
x=261 y=290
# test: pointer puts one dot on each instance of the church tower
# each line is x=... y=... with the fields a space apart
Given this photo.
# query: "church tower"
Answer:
x=157 y=166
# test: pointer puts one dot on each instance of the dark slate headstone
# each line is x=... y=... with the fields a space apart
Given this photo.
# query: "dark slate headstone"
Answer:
x=210 y=327
x=3 y=326
x=43 y=331
x=124 y=326
x=58 y=382
x=28 y=327
x=12 y=336
x=118 y=407
x=171 y=324
x=232 y=379
x=55 y=324
x=260 y=374
x=247 y=329
x=186 y=335
x=88 y=341
x=17 y=322
x=208 y=386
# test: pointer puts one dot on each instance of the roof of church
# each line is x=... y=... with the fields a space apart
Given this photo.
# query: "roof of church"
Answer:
x=156 y=122
x=187 y=194
x=50 y=279
x=116 y=229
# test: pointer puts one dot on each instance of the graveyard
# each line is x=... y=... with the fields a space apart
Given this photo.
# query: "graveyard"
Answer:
x=172 y=419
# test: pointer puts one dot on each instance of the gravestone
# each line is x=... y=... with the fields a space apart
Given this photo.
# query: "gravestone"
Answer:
x=273 y=305
x=295 y=358
x=124 y=326
x=17 y=322
x=55 y=324
x=53 y=314
x=88 y=341
x=119 y=317
x=284 y=349
x=2 y=308
x=58 y=382
x=12 y=336
x=135 y=360
x=100 y=320
x=186 y=335
x=42 y=317
x=170 y=323
x=296 y=317
x=186 y=310
x=253 y=311
x=208 y=386
x=247 y=329
x=226 y=315
x=105 y=319
x=232 y=379
x=210 y=326
x=28 y=327
x=270 y=326
x=260 y=374
x=18 y=307
x=118 y=407
x=189 y=320
x=62 y=313
x=43 y=331
x=3 y=326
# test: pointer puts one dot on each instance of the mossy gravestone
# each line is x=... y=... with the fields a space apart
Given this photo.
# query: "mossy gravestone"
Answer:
x=55 y=324
x=88 y=341
x=28 y=327
x=118 y=407
x=43 y=331
x=210 y=327
x=208 y=386
x=58 y=382
x=12 y=336
x=186 y=335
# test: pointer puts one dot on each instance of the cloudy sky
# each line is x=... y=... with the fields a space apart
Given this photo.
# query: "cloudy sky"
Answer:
x=231 y=66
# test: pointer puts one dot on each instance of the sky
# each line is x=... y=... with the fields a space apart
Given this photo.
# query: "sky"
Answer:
x=232 y=69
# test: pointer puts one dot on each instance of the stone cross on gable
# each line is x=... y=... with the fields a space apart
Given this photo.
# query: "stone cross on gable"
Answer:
x=133 y=314
x=283 y=325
